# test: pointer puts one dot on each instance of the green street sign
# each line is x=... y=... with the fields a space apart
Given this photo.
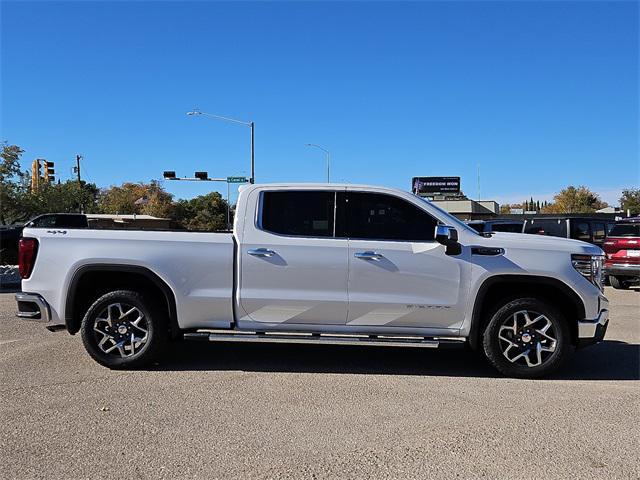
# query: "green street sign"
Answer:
x=237 y=180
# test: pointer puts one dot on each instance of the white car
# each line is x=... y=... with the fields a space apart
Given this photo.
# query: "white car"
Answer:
x=320 y=263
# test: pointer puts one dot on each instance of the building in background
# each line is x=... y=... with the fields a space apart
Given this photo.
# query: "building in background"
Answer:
x=445 y=192
x=129 y=222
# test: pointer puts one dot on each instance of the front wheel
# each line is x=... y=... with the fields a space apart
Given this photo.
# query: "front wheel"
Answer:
x=527 y=338
x=122 y=329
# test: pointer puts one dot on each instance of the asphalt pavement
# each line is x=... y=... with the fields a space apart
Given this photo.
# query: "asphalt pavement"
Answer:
x=285 y=411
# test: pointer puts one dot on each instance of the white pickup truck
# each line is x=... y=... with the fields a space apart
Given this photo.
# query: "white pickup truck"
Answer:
x=319 y=263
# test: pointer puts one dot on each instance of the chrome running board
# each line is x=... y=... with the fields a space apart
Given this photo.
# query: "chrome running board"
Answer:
x=321 y=338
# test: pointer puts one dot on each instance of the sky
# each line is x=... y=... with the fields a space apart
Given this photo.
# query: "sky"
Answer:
x=533 y=95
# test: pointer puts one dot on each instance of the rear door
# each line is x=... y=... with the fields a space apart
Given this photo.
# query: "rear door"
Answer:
x=399 y=276
x=293 y=268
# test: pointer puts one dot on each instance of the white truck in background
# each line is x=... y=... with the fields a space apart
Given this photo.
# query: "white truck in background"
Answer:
x=319 y=263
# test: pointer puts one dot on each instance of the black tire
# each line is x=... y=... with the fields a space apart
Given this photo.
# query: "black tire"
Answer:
x=618 y=283
x=150 y=345
x=511 y=313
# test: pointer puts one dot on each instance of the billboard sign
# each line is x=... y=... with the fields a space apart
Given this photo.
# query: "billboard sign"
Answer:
x=435 y=185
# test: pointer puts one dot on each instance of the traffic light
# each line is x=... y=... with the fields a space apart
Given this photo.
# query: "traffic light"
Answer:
x=35 y=175
x=49 y=172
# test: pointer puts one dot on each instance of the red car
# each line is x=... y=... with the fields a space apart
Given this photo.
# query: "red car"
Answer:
x=622 y=247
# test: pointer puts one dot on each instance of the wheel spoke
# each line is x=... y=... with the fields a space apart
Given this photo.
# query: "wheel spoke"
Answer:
x=133 y=345
x=116 y=335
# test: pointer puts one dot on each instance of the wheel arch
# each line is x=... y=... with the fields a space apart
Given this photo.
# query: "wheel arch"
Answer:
x=89 y=282
x=504 y=287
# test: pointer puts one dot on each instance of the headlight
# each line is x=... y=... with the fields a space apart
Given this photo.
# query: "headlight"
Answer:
x=590 y=267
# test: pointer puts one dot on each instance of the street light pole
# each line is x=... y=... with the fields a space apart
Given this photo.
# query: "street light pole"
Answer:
x=253 y=164
x=328 y=159
x=251 y=125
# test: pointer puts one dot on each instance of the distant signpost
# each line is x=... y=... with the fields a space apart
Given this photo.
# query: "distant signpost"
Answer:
x=237 y=179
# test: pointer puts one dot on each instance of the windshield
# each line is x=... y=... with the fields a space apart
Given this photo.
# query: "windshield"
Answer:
x=451 y=220
x=625 y=230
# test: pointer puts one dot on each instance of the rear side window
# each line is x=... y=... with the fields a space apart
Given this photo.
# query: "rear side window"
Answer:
x=298 y=213
x=374 y=216
x=625 y=230
x=581 y=231
x=599 y=231
x=555 y=227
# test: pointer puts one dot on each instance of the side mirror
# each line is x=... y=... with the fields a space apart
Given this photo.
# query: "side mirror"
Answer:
x=448 y=236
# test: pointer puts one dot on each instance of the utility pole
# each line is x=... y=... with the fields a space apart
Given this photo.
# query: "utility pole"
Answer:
x=77 y=169
x=78 y=158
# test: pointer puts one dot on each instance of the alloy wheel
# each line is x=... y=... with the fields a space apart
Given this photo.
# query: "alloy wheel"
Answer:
x=527 y=338
x=121 y=330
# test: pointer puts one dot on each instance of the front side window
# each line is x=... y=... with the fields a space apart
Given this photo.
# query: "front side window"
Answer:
x=298 y=213
x=374 y=216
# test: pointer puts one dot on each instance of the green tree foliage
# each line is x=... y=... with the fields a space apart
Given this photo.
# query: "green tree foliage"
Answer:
x=630 y=200
x=65 y=197
x=14 y=185
x=575 y=200
x=139 y=198
x=205 y=212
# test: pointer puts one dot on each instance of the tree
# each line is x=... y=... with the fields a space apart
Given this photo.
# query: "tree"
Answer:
x=140 y=198
x=575 y=200
x=14 y=185
x=505 y=208
x=65 y=197
x=630 y=200
x=205 y=212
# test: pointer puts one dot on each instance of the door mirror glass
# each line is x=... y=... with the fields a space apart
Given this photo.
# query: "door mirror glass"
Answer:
x=446 y=235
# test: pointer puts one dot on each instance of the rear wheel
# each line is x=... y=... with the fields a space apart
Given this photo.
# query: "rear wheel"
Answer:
x=122 y=329
x=527 y=338
x=619 y=283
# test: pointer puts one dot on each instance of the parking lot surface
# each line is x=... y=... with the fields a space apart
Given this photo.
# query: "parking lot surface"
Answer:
x=285 y=411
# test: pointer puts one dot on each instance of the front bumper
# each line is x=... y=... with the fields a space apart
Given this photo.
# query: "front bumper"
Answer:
x=593 y=331
x=622 y=269
x=32 y=306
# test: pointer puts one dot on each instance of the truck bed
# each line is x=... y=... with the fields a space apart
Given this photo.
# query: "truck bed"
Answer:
x=197 y=266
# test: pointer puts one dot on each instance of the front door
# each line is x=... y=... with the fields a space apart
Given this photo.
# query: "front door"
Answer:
x=293 y=268
x=399 y=276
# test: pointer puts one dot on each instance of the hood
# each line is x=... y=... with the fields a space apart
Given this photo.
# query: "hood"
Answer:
x=541 y=242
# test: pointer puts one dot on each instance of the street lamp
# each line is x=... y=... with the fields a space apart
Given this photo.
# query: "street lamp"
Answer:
x=195 y=112
x=328 y=158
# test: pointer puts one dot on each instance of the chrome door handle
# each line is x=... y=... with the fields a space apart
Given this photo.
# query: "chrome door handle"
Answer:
x=261 y=252
x=368 y=255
